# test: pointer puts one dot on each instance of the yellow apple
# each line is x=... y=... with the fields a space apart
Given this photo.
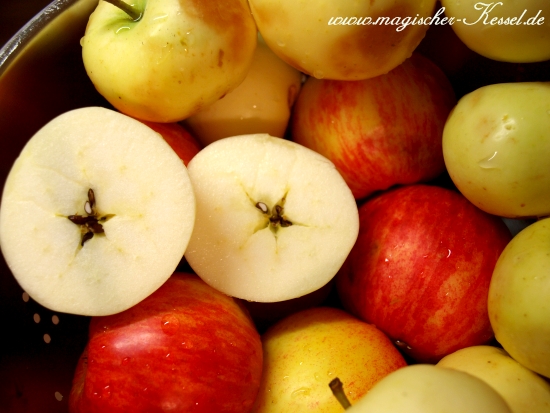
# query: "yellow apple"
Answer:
x=176 y=59
x=496 y=147
x=507 y=30
x=260 y=104
x=342 y=40
x=519 y=304
x=305 y=351
x=424 y=388
x=522 y=389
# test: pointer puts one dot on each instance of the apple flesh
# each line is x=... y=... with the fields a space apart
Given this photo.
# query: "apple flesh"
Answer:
x=275 y=220
x=176 y=59
x=421 y=267
x=518 y=297
x=305 y=351
x=97 y=212
x=424 y=388
x=312 y=37
x=260 y=104
x=496 y=148
x=187 y=347
x=521 y=388
x=378 y=132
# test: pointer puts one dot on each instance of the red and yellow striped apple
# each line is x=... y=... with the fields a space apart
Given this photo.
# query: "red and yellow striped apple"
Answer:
x=187 y=347
x=421 y=267
x=378 y=132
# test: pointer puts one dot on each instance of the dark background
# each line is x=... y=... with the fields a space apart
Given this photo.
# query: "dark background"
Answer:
x=15 y=13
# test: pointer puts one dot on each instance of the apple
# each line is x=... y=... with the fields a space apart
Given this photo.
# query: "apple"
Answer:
x=423 y=388
x=421 y=267
x=496 y=148
x=509 y=31
x=187 y=347
x=260 y=104
x=378 y=132
x=522 y=389
x=342 y=40
x=173 y=60
x=305 y=351
x=179 y=139
x=96 y=213
x=274 y=221
x=518 y=297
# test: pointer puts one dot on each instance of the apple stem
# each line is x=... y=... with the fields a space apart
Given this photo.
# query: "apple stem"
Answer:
x=130 y=10
x=338 y=390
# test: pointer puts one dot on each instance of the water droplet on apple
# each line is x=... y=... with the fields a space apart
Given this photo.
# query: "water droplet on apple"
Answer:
x=125 y=361
x=489 y=162
x=160 y=17
x=106 y=392
x=302 y=391
x=122 y=29
x=170 y=324
x=318 y=74
x=281 y=43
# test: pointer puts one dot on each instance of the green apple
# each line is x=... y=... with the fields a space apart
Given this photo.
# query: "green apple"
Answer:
x=510 y=31
x=307 y=350
x=177 y=58
x=314 y=37
x=523 y=390
x=424 y=388
x=96 y=213
x=260 y=104
x=519 y=293
x=275 y=220
x=496 y=146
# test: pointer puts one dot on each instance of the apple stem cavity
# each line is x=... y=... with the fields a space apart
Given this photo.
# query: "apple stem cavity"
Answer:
x=338 y=390
x=129 y=9
x=91 y=223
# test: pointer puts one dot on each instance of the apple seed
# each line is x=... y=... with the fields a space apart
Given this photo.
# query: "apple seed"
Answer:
x=90 y=224
x=277 y=217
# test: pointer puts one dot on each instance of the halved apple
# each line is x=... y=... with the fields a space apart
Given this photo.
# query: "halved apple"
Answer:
x=96 y=213
x=275 y=220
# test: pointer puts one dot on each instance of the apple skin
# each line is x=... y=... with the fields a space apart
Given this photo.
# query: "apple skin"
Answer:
x=512 y=42
x=177 y=58
x=305 y=351
x=187 y=347
x=179 y=139
x=421 y=267
x=496 y=148
x=424 y=388
x=519 y=297
x=378 y=132
x=523 y=390
x=308 y=36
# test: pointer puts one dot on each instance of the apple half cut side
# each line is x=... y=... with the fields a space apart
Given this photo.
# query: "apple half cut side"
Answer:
x=275 y=220
x=96 y=213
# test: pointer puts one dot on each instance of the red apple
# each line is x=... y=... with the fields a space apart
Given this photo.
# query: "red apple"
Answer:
x=381 y=131
x=179 y=138
x=187 y=347
x=421 y=268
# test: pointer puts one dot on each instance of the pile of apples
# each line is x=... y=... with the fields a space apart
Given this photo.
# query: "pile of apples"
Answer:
x=281 y=215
